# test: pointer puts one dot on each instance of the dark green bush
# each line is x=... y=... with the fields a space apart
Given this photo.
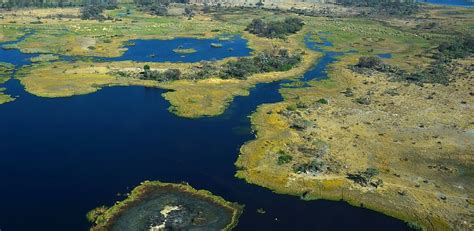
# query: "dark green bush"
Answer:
x=275 y=29
x=283 y=158
x=279 y=60
x=322 y=101
x=161 y=76
x=369 y=62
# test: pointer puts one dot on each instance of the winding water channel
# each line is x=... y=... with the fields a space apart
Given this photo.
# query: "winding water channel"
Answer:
x=62 y=157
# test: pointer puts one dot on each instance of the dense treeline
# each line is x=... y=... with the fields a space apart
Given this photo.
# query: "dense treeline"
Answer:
x=156 y=7
x=275 y=29
x=390 y=7
x=161 y=76
x=56 y=3
x=93 y=9
x=40 y=3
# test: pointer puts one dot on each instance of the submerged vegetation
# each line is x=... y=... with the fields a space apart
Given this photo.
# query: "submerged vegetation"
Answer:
x=167 y=206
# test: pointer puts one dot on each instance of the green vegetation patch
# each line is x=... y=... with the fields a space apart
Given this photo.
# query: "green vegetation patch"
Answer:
x=283 y=158
x=275 y=29
x=6 y=70
x=44 y=58
x=4 y=98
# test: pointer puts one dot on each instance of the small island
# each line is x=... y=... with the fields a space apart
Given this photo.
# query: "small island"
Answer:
x=216 y=45
x=155 y=205
x=181 y=50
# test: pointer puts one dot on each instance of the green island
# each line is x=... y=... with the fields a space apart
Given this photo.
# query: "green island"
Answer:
x=391 y=134
x=155 y=205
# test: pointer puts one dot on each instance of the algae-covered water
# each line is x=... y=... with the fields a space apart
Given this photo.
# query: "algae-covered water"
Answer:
x=62 y=157
x=166 y=208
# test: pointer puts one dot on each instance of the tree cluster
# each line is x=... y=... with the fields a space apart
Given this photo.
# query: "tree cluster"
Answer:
x=40 y=3
x=279 y=60
x=160 y=76
x=156 y=7
x=92 y=9
x=369 y=62
x=268 y=61
x=275 y=29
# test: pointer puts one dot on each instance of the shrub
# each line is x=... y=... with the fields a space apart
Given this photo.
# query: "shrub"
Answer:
x=322 y=101
x=362 y=100
x=284 y=158
x=291 y=107
x=369 y=62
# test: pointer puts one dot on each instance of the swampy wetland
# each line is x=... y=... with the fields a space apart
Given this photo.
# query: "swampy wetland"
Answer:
x=277 y=118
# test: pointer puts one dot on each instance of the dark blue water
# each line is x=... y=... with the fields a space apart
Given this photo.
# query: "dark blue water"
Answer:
x=318 y=72
x=14 y=56
x=162 y=50
x=62 y=157
x=450 y=2
x=154 y=50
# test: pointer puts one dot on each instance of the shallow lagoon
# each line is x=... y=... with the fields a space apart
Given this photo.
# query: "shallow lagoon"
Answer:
x=62 y=157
